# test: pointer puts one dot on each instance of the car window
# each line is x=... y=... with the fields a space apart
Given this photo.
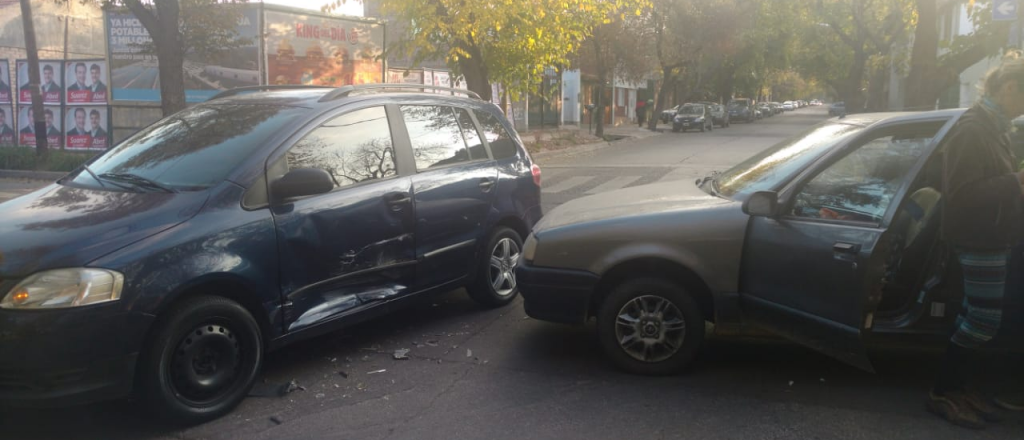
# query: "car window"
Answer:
x=501 y=142
x=353 y=148
x=861 y=185
x=435 y=135
x=476 y=144
x=195 y=148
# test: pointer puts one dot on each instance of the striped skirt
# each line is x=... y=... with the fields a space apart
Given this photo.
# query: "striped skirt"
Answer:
x=984 y=287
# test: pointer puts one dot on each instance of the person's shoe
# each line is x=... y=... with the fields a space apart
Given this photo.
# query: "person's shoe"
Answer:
x=982 y=405
x=955 y=409
x=1013 y=402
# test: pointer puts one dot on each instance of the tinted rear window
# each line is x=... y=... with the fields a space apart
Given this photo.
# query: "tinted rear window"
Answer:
x=501 y=142
x=197 y=147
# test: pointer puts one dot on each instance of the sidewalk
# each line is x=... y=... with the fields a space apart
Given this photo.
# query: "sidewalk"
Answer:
x=568 y=139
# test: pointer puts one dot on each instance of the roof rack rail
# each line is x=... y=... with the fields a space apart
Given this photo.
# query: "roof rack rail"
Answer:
x=252 y=89
x=344 y=91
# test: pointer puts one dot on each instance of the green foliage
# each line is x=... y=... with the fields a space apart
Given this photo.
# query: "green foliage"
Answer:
x=25 y=158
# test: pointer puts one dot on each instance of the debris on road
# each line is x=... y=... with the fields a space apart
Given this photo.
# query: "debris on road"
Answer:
x=274 y=389
x=432 y=343
x=343 y=374
x=791 y=383
x=469 y=353
x=401 y=354
x=320 y=395
x=277 y=420
x=376 y=371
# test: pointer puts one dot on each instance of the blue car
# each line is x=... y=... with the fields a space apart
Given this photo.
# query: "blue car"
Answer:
x=170 y=265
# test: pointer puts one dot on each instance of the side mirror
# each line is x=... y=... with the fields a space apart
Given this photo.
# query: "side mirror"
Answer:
x=301 y=182
x=762 y=204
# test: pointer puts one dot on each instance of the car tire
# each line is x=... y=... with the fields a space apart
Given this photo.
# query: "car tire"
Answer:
x=207 y=333
x=498 y=264
x=650 y=294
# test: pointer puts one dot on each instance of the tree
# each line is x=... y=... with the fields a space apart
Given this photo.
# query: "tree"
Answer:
x=499 y=40
x=177 y=27
x=615 y=50
x=931 y=74
x=33 y=75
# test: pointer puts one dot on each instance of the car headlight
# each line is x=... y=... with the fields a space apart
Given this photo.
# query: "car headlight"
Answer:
x=679 y=118
x=64 y=288
x=530 y=248
x=698 y=120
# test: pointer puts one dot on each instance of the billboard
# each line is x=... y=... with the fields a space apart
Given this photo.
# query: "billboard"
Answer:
x=86 y=128
x=51 y=78
x=86 y=82
x=5 y=85
x=403 y=76
x=135 y=75
x=26 y=128
x=320 y=50
x=6 y=124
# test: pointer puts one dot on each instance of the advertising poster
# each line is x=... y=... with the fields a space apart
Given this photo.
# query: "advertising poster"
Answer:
x=135 y=73
x=7 y=137
x=50 y=77
x=316 y=50
x=86 y=82
x=5 y=83
x=402 y=76
x=26 y=128
x=442 y=79
x=86 y=128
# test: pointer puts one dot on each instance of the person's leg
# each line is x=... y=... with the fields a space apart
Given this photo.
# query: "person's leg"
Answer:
x=953 y=397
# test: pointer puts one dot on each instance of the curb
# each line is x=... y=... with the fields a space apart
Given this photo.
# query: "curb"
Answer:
x=33 y=175
x=586 y=148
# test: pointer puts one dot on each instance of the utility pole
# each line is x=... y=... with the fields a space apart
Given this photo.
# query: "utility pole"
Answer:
x=33 y=78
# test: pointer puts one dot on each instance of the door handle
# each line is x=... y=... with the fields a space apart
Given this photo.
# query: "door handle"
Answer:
x=487 y=184
x=846 y=248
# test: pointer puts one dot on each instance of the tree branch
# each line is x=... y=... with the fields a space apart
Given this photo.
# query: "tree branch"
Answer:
x=146 y=16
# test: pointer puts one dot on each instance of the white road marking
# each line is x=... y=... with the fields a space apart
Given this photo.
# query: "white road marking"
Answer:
x=614 y=184
x=567 y=184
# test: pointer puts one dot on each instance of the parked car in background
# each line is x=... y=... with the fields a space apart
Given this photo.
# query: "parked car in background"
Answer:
x=668 y=114
x=741 y=109
x=854 y=202
x=766 y=110
x=719 y=116
x=776 y=107
x=693 y=117
x=169 y=265
x=788 y=106
x=837 y=109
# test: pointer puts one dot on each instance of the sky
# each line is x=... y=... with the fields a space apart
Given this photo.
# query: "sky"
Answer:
x=351 y=7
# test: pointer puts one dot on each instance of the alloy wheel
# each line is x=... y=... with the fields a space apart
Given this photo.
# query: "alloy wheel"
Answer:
x=504 y=258
x=650 y=328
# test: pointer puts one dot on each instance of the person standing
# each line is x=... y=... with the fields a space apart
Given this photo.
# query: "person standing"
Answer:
x=981 y=221
x=641 y=111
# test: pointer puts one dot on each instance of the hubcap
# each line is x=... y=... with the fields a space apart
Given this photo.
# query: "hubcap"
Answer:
x=206 y=363
x=650 y=328
x=504 y=258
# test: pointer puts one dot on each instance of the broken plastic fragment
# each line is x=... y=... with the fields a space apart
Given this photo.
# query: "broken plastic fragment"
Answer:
x=376 y=371
x=469 y=353
x=401 y=354
x=277 y=420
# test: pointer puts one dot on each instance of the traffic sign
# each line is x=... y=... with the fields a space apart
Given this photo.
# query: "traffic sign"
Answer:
x=1005 y=10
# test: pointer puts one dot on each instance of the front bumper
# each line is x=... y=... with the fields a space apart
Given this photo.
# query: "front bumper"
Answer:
x=68 y=357
x=557 y=295
x=687 y=125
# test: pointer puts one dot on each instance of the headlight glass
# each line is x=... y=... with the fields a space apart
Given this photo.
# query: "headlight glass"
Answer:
x=529 y=248
x=64 y=288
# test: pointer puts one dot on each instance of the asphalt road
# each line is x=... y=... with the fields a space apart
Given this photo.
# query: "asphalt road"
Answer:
x=495 y=374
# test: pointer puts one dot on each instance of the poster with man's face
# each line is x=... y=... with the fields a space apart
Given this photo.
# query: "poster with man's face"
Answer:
x=86 y=82
x=85 y=128
x=5 y=84
x=50 y=77
x=6 y=125
x=26 y=126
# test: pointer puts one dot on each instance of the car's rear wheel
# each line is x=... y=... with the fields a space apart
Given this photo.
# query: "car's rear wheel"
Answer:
x=650 y=326
x=201 y=360
x=495 y=283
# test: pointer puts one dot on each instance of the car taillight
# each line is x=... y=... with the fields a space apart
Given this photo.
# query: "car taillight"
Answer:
x=535 y=170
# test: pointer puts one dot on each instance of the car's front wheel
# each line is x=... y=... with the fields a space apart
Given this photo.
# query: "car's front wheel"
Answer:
x=650 y=326
x=495 y=283
x=201 y=360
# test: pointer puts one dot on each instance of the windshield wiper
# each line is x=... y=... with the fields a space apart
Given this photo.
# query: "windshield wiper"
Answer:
x=94 y=176
x=137 y=180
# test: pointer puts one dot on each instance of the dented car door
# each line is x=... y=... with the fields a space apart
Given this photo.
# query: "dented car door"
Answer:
x=351 y=248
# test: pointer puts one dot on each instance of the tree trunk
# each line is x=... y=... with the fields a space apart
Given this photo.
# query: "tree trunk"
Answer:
x=668 y=84
x=923 y=86
x=851 y=93
x=475 y=71
x=170 y=51
x=33 y=78
x=877 y=87
x=602 y=78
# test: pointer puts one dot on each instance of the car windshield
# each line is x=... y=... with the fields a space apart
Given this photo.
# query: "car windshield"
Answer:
x=691 y=110
x=737 y=105
x=765 y=170
x=192 y=149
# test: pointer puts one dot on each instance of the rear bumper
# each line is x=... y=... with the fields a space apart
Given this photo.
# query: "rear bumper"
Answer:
x=557 y=295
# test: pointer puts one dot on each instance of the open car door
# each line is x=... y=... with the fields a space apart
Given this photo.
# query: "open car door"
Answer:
x=814 y=271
